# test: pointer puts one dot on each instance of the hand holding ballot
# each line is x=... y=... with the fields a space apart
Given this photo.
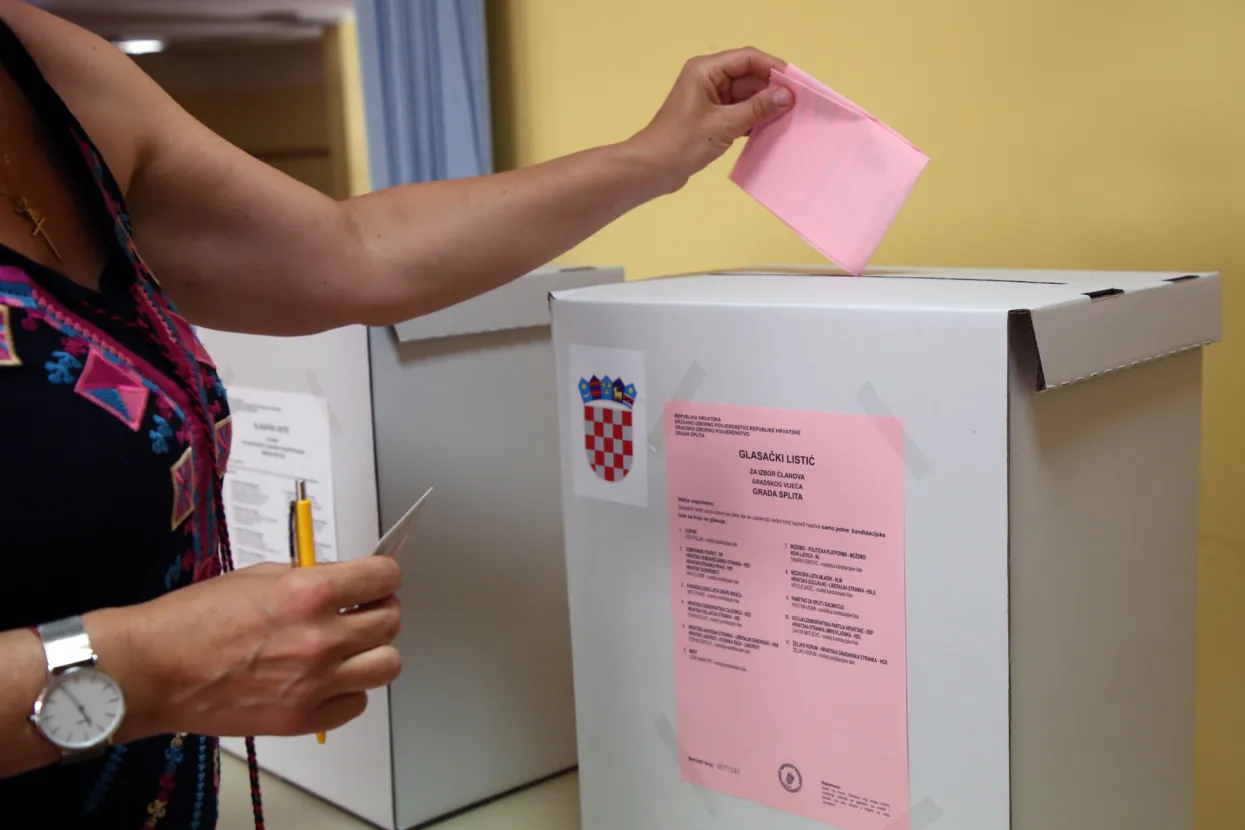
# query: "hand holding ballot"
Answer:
x=716 y=101
x=831 y=171
x=265 y=650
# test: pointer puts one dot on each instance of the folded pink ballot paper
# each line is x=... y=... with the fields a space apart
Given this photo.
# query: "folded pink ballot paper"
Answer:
x=834 y=173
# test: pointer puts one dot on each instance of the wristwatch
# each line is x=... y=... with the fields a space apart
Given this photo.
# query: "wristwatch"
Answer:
x=81 y=707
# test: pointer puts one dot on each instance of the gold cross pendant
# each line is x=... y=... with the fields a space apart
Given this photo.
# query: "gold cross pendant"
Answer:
x=38 y=220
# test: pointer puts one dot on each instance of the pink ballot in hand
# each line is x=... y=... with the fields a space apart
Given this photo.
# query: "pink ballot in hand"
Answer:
x=834 y=173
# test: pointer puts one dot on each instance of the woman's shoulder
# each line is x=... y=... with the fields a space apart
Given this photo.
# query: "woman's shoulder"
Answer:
x=102 y=87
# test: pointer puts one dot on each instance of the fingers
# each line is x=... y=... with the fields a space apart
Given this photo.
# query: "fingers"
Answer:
x=740 y=80
x=360 y=582
x=744 y=88
x=371 y=626
x=740 y=63
x=371 y=669
x=759 y=109
x=338 y=711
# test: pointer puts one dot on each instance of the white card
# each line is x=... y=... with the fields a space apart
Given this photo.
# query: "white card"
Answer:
x=394 y=540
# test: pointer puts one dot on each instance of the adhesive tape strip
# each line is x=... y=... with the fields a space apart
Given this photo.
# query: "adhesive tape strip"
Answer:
x=921 y=816
x=684 y=390
x=313 y=386
x=913 y=458
x=666 y=730
x=924 y=814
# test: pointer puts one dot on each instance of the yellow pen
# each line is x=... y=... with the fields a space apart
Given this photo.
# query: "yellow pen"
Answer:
x=304 y=539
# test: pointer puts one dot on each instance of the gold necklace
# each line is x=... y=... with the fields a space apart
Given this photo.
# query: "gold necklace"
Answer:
x=21 y=205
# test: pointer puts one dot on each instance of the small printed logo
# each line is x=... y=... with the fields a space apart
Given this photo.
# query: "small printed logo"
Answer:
x=608 y=439
x=790 y=778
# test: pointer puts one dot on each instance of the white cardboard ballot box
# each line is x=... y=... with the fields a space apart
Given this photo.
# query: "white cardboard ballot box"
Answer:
x=462 y=400
x=915 y=549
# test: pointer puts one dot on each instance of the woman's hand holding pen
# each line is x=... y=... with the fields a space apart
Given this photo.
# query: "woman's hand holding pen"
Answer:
x=265 y=650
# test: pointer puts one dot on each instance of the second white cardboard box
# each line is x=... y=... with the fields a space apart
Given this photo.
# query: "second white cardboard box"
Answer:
x=913 y=549
x=462 y=400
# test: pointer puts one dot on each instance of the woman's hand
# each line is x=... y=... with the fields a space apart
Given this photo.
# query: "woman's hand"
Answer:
x=716 y=100
x=268 y=650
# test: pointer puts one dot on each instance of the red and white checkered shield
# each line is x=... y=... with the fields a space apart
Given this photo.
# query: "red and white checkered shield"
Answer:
x=608 y=440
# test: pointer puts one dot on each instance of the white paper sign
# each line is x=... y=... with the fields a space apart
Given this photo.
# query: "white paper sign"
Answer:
x=278 y=438
x=607 y=425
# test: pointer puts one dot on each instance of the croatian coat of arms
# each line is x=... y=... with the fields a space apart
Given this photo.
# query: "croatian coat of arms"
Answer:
x=608 y=439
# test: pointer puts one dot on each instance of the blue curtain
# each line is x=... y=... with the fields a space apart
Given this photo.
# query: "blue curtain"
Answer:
x=426 y=90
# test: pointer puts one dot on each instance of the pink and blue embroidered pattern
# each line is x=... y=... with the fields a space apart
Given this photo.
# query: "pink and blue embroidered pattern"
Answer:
x=114 y=388
x=108 y=401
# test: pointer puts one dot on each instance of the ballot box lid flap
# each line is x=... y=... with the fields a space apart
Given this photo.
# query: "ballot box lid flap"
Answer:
x=1084 y=323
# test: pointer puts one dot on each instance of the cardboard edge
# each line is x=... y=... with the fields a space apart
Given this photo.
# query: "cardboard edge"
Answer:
x=1073 y=352
x=511 y=306
x=1063 y=336
x=1022 y=320
x=834 y=271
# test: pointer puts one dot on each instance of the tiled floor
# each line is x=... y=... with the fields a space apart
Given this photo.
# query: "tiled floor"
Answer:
x=550 y=806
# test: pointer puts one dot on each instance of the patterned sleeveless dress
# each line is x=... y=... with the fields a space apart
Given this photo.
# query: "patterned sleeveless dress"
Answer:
x=115 y=432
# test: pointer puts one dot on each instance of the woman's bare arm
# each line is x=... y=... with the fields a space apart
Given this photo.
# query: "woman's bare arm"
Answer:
x=243 y=247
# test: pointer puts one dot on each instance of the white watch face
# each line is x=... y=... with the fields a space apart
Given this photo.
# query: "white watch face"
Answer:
x=80 y=709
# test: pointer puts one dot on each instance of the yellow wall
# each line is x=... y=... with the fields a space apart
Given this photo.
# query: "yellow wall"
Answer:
x=271 y=100
x=1064 y=133
x=287 y=128
x=343 y=86
x=296 y=105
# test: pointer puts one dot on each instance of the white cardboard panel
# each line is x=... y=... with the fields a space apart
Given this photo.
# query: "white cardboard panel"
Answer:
x=1079 y=280
x=484 y=701
x=1104 y=552
x=518 y=304
x=945 y=375
x=340 y=374
x=795 y=291
x=1086 y=322
x=913 y=288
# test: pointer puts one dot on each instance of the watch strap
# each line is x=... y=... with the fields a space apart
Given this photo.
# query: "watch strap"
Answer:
x=66 y=644
x=73 y=756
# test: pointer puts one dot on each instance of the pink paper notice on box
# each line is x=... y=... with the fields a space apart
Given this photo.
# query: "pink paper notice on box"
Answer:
x=834 y=173
x=787 y=578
